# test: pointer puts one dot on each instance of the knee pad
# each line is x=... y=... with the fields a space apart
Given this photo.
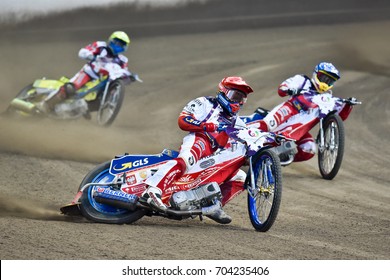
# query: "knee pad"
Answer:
x=188 y=159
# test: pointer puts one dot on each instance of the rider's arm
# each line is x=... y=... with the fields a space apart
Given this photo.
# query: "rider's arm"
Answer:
x=193 y=116
x=292 y=86
x=123 y=61
x=188 y=123
x=92 y=50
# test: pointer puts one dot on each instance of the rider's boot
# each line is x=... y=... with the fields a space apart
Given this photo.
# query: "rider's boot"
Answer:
x=47 y=106
x=152 y=195
x=216 y=213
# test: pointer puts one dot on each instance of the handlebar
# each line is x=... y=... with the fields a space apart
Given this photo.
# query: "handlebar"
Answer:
x=350 y=100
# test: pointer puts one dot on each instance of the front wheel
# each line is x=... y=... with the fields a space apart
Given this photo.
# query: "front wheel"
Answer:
x=331 y=151
x=264 y=198
x=110 y=108
x=103 y=213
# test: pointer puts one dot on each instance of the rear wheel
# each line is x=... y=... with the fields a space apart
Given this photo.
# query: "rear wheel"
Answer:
x=112 y=104
x=264 y=201
x=330 y=154
x=103 y=213
x=22 y=104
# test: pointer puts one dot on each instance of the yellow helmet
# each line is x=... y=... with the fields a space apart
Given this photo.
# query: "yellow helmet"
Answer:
x=118 y=42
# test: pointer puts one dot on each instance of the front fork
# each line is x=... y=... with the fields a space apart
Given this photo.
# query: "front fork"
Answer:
x=103 y=100
x=321 y=140
x=266 y=178
x=321 y=144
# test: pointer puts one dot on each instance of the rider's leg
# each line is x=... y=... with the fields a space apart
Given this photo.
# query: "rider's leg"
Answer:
x=66 y=91
x=164 y=176
x=306 y=148
x=191 y=151
x=80 y=79
x=278 y=115
x=193 y=148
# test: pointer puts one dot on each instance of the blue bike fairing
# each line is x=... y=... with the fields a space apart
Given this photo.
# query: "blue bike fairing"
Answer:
x=131 y=162
x=82 y=92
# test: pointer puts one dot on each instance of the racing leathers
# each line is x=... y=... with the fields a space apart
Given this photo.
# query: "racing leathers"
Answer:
x=295 y=105
x=201 y=118
x=101 y=61
x=98 y=55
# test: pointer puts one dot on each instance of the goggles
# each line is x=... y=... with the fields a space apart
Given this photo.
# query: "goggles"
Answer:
x=236 y=96
x=323 y=77
x=118 y=42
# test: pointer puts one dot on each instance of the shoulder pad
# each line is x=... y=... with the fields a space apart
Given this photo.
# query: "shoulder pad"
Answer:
x=100 y=44
x=123 y=58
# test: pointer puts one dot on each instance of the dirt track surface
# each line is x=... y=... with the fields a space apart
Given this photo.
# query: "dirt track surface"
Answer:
x=42 y=163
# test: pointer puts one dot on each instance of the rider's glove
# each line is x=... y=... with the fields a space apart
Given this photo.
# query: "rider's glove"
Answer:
x=209 y=127
x=352 y=100
x=222 y=127
x=292 y=91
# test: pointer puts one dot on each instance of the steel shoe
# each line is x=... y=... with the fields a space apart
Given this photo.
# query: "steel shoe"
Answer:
x=216 y=213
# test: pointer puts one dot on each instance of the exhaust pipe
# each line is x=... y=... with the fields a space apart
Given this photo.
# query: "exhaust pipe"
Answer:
x=116 y=203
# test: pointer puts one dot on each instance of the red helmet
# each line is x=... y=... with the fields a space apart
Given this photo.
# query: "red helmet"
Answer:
x=233 y=94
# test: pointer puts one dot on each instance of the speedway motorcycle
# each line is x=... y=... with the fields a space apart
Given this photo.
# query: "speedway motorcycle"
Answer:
x=104 y=96
x=324 y=110
x=111 y=192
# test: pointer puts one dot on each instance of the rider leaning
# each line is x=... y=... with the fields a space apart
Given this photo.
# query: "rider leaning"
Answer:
x=201 y=117
x=324 y=76
x=95 y=54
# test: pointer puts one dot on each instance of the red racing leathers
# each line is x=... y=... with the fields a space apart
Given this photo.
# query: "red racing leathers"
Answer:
x=200 y=117
x=97 y=54
x=294 y=105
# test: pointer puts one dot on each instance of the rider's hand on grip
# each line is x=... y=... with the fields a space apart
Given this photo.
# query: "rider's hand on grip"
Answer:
x=209 y=127
x=292 y=91
x=222 y=127
x=352 y=101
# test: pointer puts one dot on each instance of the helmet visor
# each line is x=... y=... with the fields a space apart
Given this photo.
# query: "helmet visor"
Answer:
x=119 y=42
x=236 y=96
x=323 y=77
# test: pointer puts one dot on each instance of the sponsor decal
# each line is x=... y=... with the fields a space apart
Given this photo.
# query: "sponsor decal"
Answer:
x=185 y=179
x=196 y=182
x=254 y=133
x=325 y=98
x=155 y=200
x=172 y=189
x=134 y=189
x=131 y=164
x=191 y=160
x=272 y=123
x=117 y=193
x=297 y=105
x=168 y=180
x=198 y=102
x=131 y=180
x=191 y=120
x=143 y=174
x=207 y=163
x=285 y=111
